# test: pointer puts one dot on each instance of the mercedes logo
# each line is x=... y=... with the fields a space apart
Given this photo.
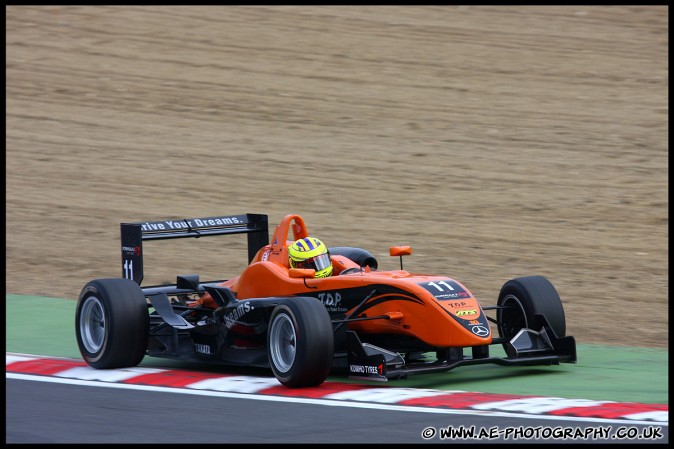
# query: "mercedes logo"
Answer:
x=480 y=331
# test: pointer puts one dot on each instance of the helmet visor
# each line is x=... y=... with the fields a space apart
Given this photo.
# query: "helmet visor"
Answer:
x=318 y=263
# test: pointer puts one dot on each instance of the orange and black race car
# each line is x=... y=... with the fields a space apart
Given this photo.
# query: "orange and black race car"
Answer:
x=370 y=323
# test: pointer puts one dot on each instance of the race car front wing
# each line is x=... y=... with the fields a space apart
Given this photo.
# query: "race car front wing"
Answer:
x=529 y=347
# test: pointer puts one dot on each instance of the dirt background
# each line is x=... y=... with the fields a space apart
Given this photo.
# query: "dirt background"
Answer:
x=498 y=141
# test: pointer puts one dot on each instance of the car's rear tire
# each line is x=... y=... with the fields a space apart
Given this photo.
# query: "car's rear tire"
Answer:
x=112 y=323
x=525 y=297
x=300 y=342
x=358 y=255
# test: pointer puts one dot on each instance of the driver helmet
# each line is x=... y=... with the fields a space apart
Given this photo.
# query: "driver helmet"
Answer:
x=310 y=252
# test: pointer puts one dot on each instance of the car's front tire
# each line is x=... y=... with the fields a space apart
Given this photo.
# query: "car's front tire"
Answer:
x=112 y=323
x=524 y=297
x=300 y=342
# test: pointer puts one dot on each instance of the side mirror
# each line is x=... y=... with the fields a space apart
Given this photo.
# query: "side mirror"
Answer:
x=188 y=281
x=400 y=251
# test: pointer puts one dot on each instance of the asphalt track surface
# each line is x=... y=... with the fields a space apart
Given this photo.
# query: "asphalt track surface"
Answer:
x=44 y=405
x=44 y=412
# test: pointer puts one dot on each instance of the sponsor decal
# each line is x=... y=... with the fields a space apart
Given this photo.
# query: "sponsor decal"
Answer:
x=332 y=301
x=480 y=331
x=234 y=314
x=265 y=255
x=170 y=225
x=131 y=250
x=202 y=348
x=366 y=369
x=466 y=312
x=456 y=304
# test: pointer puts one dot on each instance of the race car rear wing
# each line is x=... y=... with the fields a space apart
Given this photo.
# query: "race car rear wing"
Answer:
x=133 y=235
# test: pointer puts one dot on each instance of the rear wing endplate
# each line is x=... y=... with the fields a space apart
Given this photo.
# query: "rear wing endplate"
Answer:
x=133 y=235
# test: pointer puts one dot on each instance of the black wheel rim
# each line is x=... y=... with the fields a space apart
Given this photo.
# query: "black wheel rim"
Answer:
x=512 y=317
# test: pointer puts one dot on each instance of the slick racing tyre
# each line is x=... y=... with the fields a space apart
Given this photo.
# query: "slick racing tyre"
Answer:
x=357 y=255
x=300 y=342
x=525 y=297
x=112 y=323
